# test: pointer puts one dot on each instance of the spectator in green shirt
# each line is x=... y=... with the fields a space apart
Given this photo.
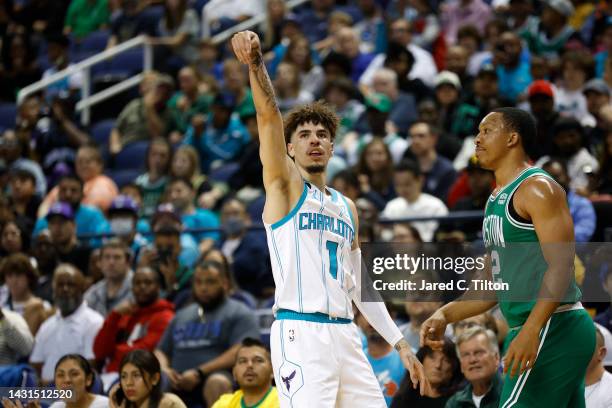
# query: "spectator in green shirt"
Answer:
x=86 y=16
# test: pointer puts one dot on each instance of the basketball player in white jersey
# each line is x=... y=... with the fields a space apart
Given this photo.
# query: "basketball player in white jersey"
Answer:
x=312 y=235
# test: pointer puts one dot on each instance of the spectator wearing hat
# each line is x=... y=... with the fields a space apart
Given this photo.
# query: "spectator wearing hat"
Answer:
x=548 y=34
x=512 y=65
x=576 y=68
x=597 y=95
x=478 y=104
x=462 y=13
x=14 y=154
x=146 y=117
x=423 y=67
x=182 y=196
x=135 y=323
x=57 y=53
x=220 y=138
x=542 y=106
x=377 y=113
x=568 y=144
x=72 y=329
x=171 y=253
x=116 y=286
x=581 y=208
x=598 y=381
x=438 y=172
x=24 y=200
x=62 y=228
x=447 y=92
x=88 y=219
x=166 y=214
x=124 y=223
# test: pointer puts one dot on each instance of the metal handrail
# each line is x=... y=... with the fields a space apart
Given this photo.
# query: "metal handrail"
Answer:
x=450 y=217
x=87 y=100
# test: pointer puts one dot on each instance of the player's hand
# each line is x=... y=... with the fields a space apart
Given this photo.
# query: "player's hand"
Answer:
x=247 y=48
x=417 y=373
x=522 y=353
x=432 y=331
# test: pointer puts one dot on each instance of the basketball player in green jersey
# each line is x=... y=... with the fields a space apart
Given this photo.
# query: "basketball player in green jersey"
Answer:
x=529 y=236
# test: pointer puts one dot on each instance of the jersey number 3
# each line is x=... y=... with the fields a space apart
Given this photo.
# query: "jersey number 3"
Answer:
x=332 y=248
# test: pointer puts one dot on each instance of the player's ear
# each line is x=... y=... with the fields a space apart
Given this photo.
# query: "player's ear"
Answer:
x=290 y=150
x=513 y=139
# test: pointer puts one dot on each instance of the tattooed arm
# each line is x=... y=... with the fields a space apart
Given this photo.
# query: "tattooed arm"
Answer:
x=282 y=180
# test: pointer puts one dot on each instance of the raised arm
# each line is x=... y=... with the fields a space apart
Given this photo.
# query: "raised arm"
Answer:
x=273 y=150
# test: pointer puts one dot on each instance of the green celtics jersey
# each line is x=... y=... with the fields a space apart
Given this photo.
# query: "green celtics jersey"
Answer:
x=517 y=262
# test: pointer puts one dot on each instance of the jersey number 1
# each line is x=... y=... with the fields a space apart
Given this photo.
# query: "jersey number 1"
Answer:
x=332 y=248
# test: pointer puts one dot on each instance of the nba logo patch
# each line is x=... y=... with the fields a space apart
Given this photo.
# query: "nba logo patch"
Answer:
x=291 y=378
x=502 y=198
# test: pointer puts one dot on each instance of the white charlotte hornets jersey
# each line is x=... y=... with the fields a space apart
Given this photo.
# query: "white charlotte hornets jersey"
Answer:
x=310 y=255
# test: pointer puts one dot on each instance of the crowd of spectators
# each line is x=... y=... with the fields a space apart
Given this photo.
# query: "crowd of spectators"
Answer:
x=155 y=287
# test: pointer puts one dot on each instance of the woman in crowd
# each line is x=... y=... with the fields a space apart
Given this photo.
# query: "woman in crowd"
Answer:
x=153 y=182
x=140 y=384
x=74 y=372
x=179 y=29
x=289 y=92
x=375 y=170
x=311 y=75
x=13 y=238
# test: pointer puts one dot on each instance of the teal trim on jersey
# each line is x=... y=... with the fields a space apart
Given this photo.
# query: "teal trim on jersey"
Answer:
x=284 y=314
x=350 y=213
x=293 y=211
x=280 y=265
x=299 y=265
x=334 y=194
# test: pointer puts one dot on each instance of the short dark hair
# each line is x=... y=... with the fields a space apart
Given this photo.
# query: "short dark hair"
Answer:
x=318 y=112
x=251 y=342
x=349 y=177
x=167 y=229
x=521 y=122
x=71 y=177
x=409 y=166
x=183 y=180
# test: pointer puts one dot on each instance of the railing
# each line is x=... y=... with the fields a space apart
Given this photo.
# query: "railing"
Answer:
x=88 y=100
x=453 y=216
